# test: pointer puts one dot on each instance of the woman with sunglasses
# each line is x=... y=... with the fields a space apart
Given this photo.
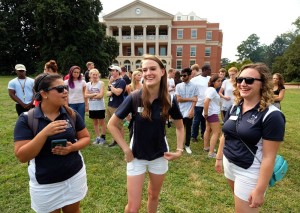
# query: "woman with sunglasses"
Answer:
x=249 y=125
x=148 y=148
x=57 y=173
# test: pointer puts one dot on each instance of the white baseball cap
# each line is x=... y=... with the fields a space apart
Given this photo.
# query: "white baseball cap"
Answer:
x=20 y=67
x=113 y=67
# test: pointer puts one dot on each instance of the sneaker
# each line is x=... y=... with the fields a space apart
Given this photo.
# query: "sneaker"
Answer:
x=194 y=140
x=212 y=155
x=97 y=141
x=102 y=141
x=206 y=149
x=114 y=143
x=188 y=150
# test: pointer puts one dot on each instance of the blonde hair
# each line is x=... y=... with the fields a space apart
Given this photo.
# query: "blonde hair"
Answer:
x=266 y=91
x=92 y=71
x=133 y=83
x=233 y=69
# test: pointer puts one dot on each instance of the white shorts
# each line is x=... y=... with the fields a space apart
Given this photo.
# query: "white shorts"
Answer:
x=245 y=180
x=158 y=166
x=49 y=197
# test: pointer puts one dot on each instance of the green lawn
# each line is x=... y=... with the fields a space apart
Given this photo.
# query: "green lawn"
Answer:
x=191 y=185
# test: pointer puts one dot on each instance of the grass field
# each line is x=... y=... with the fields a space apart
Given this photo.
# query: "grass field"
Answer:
x=191 y=185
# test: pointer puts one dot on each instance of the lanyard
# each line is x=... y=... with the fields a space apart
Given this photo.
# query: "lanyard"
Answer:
x=23 y=88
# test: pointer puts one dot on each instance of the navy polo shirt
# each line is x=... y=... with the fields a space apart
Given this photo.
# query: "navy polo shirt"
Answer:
x=51 y=168
x=114 y=100
x=250 y=128
x=149 y=140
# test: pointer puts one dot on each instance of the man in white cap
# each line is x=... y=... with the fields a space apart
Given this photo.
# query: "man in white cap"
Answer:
x=115 y=93
x=20 y=89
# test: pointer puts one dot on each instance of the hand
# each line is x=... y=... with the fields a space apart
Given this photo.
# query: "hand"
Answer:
x=55 y=127
x=61 y=150
x=256 y=199
x=219 y=166
x=227 y=98
x=172 y=155
x=128 y=156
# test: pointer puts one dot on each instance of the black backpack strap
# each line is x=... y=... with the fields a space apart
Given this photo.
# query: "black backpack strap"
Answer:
x=71 y=115
x=33 y=122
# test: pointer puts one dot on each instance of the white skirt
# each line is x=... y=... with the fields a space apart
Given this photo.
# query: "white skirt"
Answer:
x=49 y=197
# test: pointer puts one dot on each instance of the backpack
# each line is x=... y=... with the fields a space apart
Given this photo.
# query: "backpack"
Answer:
x=136 y=103
x=33 y=122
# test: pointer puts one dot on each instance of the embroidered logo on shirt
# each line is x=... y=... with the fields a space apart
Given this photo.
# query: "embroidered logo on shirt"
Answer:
x=252 y=119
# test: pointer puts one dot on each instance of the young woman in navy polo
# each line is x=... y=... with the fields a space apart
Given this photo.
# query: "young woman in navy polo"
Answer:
x=148 y=148
x=57 y=175
x=251 y=121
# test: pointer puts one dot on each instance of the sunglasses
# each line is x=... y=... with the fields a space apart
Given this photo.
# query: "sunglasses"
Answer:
x=183 y=76
x=59 y=89
x=248 y=80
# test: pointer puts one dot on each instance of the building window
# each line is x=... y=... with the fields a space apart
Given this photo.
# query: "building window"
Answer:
x=138 y=64
x=208 y=35
x=194 y=33
x=193 y=51
x=140 y=51
x=178 y=65
x=128 y=51
x=151 y=50
x=192 y=62
x=179 y=34
x=163 y=51
x=207 y=51
x=178 y=18
x=179 y=51
x=192 y=18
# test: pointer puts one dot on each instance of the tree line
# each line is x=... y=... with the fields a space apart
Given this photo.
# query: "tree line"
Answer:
x=282 y=56
x=34 y=31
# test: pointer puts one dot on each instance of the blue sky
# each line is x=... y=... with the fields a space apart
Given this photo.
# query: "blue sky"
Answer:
x=238 y=18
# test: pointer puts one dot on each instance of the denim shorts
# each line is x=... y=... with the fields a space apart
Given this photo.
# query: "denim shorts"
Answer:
x=158 y=166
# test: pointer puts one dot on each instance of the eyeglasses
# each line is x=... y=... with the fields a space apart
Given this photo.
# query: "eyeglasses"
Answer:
x=59 y=89
x=183 y=76
x=248 y=80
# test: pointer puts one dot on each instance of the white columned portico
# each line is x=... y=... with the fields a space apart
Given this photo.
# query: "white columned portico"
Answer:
x=132 y=39
x=144 y=39
x=169 y=40
x=120 y=41
x=156 y=39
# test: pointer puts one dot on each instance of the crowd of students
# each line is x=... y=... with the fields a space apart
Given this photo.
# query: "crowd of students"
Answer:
x=149 y=97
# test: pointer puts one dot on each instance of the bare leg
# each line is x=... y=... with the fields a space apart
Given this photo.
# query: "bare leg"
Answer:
x=215 y=129
x=154 y=187
x=134 y=190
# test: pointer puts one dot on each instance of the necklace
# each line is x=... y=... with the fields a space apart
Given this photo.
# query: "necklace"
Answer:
x=23 y=88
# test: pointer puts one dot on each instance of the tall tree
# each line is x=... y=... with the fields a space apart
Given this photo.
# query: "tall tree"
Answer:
x=69 y=32
x=17 y=35
x=289 y=63
x=251 y=49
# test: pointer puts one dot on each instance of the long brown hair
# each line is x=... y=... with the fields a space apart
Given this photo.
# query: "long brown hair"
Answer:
x=163 y=95
x=266 y=91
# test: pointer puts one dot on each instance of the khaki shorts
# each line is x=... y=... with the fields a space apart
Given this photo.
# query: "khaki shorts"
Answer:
x=109 y=113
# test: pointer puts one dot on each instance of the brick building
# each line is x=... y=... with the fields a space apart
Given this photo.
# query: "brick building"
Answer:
x=179 y=40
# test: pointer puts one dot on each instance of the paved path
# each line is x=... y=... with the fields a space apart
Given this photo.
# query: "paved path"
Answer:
x=292 y=86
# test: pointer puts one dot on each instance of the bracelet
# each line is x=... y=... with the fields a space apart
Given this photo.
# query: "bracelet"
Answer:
x=219 y=159
x=178 y=149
